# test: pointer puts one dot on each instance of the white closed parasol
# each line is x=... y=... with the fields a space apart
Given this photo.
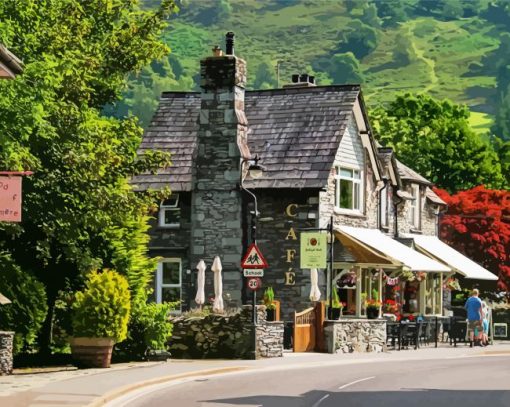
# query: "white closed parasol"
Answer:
x=218 y=286
x=315 y=293
x=200 y=297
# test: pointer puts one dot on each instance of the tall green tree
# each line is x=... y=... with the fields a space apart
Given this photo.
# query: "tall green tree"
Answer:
x=80 y=212
x=434 y=138
x=265 y=76
x=358 y=38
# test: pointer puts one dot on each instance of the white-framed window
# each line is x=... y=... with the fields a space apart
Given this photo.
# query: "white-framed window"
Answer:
x=415 y=207
x=385 y=205
x=170 y=213
x=169 y=281
x=349 y=189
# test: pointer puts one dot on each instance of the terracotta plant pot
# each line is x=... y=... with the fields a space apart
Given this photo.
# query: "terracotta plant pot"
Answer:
x=92 y=352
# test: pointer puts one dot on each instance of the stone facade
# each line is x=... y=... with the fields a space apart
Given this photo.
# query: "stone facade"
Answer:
x=6 y=347
x=355 y=335
x=218 y=336
x=216 y=207
x=288 y=213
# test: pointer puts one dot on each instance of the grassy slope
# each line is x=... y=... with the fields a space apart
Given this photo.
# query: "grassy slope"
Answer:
x=296 y=34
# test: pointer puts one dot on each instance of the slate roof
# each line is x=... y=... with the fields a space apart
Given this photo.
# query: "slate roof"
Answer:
x=408 y=174
x=10 y=61
x=295 y=131
x=433 y=197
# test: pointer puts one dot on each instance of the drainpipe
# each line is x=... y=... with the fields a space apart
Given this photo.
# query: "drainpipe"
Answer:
x=396 y=202
x=383 y=188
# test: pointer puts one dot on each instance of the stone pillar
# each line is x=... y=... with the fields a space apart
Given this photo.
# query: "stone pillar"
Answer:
x=6 y=345
x=216 y=198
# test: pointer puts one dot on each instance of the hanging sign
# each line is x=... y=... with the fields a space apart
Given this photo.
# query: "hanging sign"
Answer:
x=253 y=259
x=10 y=199
x=314 y=250
x=392 y=281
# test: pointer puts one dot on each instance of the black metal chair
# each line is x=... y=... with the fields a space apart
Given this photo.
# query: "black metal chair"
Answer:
x=393 y=334
x=457 y=331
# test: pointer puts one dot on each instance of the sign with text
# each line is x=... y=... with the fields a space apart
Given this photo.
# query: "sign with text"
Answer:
x=253 y=272
x=10 y=199
x=254 y=283
x=254 y=259
x=314 y=250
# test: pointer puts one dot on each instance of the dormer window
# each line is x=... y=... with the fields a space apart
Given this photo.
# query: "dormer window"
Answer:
x=415 y=207
x=170 y=213
x=349 y=191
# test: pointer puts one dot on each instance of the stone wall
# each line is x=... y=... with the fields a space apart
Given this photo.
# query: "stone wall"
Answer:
x=226 y=337
x=355 y=335
x=6 y=342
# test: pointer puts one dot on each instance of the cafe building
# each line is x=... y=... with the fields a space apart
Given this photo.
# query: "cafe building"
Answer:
x=267 y=165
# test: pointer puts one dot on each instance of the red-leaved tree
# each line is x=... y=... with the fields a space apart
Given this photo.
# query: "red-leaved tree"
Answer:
x=477 y=224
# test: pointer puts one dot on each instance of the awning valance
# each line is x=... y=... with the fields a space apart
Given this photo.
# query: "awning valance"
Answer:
x=435 y=248
x=395 y=252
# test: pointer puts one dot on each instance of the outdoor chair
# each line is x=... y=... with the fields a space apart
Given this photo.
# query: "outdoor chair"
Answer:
x=410 y=334
x=393 y=334
x=457 y=331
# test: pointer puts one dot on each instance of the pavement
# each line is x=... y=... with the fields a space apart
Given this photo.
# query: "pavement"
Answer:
x=97 y=387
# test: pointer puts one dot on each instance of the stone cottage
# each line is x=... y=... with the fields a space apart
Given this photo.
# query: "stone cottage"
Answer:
x=319 y=162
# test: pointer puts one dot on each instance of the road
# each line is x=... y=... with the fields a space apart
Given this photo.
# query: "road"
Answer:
x=459 y=381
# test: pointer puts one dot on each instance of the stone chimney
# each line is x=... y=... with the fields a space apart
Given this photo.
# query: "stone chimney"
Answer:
x=222 y=143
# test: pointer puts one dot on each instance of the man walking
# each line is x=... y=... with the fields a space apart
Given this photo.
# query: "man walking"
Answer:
x=474 y=315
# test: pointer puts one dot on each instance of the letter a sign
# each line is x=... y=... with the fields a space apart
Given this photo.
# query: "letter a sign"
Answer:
x=253 y=259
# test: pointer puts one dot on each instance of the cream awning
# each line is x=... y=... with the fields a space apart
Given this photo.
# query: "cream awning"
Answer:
x=435 y=248
x=389 y=248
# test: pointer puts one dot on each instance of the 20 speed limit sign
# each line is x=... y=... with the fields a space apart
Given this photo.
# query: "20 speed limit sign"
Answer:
x=254 y=283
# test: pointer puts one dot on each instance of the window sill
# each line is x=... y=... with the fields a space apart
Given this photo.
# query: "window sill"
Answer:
x=169 y=226
x=385 y=229
x=348 y=212
x=415 y=231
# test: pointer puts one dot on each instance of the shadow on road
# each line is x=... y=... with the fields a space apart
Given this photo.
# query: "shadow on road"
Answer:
x=405 y=397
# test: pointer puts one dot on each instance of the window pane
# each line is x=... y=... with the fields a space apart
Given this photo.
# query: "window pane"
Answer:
x=172 y=216
x=356 y=174
x=344 y=172
x=346 y=190
x=173 y=201
x=170 y=294
x=171 y=272
x=357 y=204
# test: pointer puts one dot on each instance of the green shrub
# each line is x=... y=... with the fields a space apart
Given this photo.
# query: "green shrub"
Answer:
x=28 y=309
x=269 y=298
x=149 y=329
x=335 y=300
x=101 y=310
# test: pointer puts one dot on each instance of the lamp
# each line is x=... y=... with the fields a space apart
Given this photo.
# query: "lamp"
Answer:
x=255 y=169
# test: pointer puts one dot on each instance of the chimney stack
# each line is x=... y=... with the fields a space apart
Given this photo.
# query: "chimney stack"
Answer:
x=216 y=209
x=301 y=81
x=229 y=43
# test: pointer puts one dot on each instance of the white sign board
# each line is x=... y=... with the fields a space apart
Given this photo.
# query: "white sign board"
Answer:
x=253 y=272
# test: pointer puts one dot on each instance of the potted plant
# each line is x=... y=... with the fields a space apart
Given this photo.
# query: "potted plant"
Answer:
x=372 y=307
x=100 y=318
x=270 y=304
x=335 y=312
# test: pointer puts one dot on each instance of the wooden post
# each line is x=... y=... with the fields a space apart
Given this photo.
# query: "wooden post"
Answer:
x=320 y=317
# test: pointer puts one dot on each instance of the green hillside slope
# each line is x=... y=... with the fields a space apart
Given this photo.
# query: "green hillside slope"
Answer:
x=421 y=50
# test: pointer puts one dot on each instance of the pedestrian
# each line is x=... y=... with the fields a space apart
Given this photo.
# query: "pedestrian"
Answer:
x=473 y=307
x=485 y=323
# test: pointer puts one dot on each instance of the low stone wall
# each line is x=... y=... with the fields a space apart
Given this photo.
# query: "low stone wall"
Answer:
x=6 y=343
x=226 y=337
x=355 y=335
x=270 y=339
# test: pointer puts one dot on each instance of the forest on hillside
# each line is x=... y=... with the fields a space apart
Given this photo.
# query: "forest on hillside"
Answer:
x=455 y=49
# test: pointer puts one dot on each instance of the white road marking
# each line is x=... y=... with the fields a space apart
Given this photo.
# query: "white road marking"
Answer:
x=356 y=381
x=321 y=400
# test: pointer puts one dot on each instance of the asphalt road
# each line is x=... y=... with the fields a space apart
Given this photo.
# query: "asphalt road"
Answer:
x=467 y=381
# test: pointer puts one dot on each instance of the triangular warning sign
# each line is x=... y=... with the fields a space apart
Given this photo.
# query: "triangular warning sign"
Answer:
x=254 y=259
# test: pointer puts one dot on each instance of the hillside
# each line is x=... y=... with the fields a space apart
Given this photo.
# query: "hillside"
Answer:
x=391 y=47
